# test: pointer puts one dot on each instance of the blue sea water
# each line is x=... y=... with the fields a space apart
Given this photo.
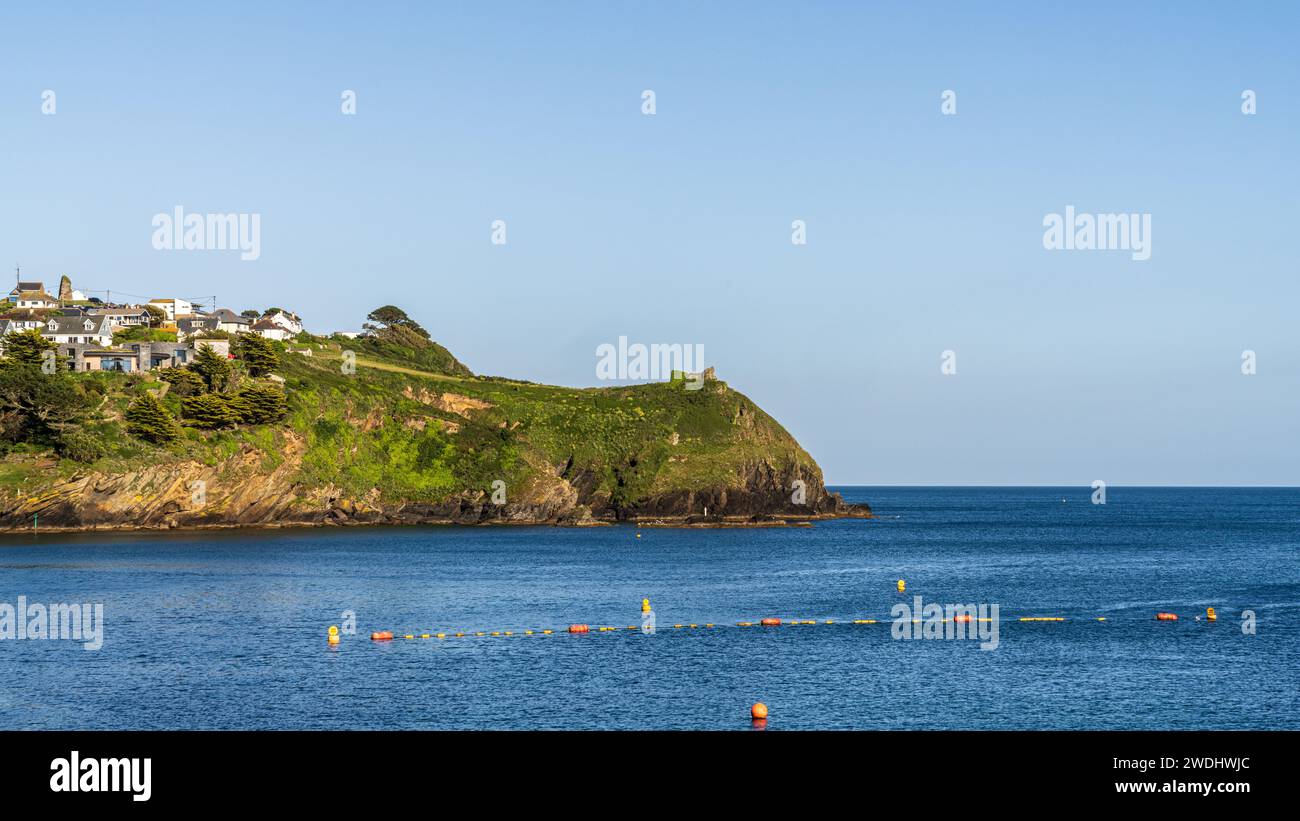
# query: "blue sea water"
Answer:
x=227 y=629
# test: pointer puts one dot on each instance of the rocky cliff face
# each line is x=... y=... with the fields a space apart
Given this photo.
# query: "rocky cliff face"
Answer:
x=239 y=494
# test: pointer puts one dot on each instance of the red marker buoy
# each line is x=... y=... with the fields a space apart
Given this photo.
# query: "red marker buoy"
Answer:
x=758 y=712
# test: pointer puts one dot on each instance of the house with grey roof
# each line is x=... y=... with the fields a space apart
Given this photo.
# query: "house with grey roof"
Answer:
x=191 y=326
x=32 y=285
x=120 y=317
x=86 y=329
x=231 y=322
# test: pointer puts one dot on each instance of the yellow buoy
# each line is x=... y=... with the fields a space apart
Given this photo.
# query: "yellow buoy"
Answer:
x=1210 y=614
x=645 y=605
x=334 y=634
x=902 y=586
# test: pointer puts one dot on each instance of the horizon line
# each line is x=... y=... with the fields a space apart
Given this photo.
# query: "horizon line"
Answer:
x=1087 y=486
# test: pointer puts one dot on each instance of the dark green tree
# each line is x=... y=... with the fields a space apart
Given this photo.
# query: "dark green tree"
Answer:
x=184 y=382
x=27 y=347
x=209 y=411
x=148 y=419
x=36 y=406
x=258 y=354
x=259 y=404
x=212 y=366
x=389 y=322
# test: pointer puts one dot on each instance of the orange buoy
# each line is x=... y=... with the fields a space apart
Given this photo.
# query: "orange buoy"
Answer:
x=770 y=623
x=382 y=635
x=579 y=628
x=758 y=712
x=1166 y=617
x=962 y=618
x=1210 y=614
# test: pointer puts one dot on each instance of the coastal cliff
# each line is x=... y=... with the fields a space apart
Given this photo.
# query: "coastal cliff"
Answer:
x=371 y=437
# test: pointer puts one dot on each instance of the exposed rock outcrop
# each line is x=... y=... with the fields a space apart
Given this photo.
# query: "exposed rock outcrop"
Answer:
x=239 y=494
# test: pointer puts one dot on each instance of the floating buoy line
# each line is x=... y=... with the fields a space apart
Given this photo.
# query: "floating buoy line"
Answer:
x=768 y=622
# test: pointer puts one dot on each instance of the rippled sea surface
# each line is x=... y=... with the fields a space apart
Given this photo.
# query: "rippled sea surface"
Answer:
x=228 y=630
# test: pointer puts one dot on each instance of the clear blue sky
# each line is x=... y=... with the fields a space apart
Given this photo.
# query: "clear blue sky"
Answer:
x=925 y=231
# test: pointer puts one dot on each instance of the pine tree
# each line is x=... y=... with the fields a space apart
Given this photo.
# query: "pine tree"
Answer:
x=260 y=404
x=259 y=354
x=148 y=419
x=212 y=366
x=184 y=382
x=208 y=411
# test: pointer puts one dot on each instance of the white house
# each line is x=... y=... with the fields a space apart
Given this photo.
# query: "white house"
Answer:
x=173 y=308
x=270 y=330
x=231 y=322
x=35 y=299
x=70 y=329
x=290 y=322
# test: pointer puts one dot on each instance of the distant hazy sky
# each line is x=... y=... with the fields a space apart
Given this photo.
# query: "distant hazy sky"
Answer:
x=924 y=230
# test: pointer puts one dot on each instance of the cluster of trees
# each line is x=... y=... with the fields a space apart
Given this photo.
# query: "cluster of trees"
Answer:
x=207 y=400
x=391 y=333
x=40 y=402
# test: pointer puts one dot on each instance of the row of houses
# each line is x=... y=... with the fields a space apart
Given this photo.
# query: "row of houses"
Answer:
x=278 y=324
x=84 y=329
